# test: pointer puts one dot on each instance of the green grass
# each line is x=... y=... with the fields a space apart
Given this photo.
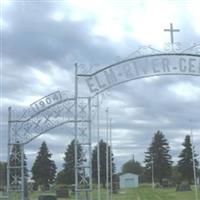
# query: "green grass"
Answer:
x=146 y=193
x=141 y=193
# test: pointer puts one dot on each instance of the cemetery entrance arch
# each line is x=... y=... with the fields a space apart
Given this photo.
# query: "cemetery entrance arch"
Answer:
x=57 y=109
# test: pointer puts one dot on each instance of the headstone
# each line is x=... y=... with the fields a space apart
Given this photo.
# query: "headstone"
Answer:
x=165 y=183
x=26 y=195
x=47 y=197
x=73 y=189
x=115 y=187
x=62 y=192
x=183 y=187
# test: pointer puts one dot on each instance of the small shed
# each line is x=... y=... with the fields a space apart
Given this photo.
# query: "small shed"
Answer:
x=128 y=180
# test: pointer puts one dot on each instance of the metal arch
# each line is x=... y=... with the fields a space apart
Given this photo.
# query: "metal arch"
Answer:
x=97 y=93
x=137 y=68
x=136 y=58
x=28 y=128
x=58 y=113
x=111 y=85
x=195 y=49
x=51 y=117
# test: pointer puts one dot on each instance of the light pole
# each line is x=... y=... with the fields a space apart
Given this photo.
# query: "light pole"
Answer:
x=107 y=169
x=98 y=152
x=111 y=186
x=152 y=172
x=194 y=166
x=199 y=173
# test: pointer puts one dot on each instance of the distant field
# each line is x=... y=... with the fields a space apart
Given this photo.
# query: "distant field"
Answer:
x=144 y=193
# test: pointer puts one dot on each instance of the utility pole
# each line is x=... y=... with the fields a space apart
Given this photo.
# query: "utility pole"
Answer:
x=76 y=130
x=152 y=173
x=107 y=168
x=194 y=166
x=111 y=173
x=98 y=153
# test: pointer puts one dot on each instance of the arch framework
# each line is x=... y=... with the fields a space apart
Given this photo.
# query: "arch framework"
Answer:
x=44 y=115
x=57 y=109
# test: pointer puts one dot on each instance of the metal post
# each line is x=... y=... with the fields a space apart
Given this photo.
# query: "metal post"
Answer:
x=98 y=153
x=198 y=174
x=76 y=129
x=90 y=148
x=107 y=169
x=8 y=153
x=22 y=171
x=152 y=173
x=194 y=167
x=111 y=174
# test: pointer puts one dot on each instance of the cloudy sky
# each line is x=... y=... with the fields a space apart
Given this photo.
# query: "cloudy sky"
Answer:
x=41 y=41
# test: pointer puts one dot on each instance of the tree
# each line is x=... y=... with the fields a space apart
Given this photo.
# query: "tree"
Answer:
x=3 y=171
x=132 y=166
x=185 y=164
x=44 y=169
x=69 y=164
x=15 y=164
x=60 y=178
x=158 y=157
x=176 y=176
x=102 y=148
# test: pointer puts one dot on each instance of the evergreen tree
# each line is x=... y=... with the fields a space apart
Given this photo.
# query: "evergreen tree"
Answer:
x=102 y=149
x=132 y=166
x=185 y=164
x=176 y=176
x=15 y=164
x=69 y=164
x=158 y=157
x=3 y=172
x=60 y=178
x=44 y=169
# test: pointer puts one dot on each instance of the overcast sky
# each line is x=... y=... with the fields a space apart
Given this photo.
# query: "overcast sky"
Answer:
x=41 y=41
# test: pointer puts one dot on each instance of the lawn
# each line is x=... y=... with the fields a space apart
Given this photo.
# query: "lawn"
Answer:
x=142 y=193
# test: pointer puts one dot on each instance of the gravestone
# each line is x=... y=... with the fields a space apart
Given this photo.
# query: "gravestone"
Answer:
x=47 y=197
x=72 y=189
x=115 y=187
x=183 y=187
x=62 y=192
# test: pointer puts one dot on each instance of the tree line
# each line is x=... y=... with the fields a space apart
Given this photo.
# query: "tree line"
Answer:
x=157 y=158
x=44 y=170
x=158 y=162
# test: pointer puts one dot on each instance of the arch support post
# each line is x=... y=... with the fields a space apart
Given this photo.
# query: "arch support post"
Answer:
x=98 y=152
x=76 y=130
x=90 y=145
x=22 y=172
x=83 y=142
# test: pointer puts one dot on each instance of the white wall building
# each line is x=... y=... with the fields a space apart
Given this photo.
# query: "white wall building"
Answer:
x=128 y=180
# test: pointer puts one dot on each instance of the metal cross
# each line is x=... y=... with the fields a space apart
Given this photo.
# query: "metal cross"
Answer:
x=171 y=30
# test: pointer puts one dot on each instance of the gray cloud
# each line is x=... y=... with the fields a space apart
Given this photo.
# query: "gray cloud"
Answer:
x=34 y=43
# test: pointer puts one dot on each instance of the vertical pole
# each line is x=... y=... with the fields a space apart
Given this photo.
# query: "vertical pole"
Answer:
x=152 y=173
x=107 y=169
x=111 y=174
x=76 y=129
x=22 y=171
x=98 y=152
x=194 y=166
x=8 y=153
x=90 y=143
x=199 y=173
